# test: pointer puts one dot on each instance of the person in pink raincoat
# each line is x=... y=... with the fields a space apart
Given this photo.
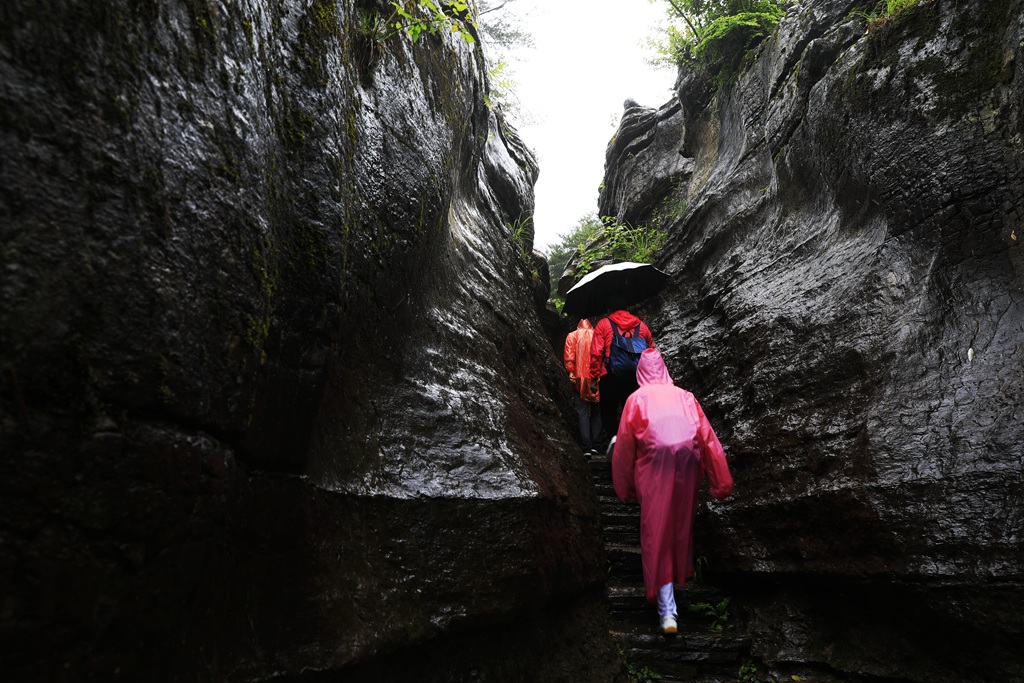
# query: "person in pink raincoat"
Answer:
x=663 y=448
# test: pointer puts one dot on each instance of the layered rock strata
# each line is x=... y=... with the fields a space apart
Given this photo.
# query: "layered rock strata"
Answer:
x=276 y=402
x=847 y=302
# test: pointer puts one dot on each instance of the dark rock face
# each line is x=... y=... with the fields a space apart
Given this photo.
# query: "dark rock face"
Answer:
x=847 y=302
x=276 y=401
x=650 y=166
x=645 y=184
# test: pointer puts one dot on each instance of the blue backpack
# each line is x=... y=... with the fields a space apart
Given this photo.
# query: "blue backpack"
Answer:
x=625 y=353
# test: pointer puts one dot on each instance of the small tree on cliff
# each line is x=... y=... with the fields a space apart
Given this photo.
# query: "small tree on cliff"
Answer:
x=595 y=241
x=502 y=28
x=504 y=36
x=714 y=34
x=570 y=244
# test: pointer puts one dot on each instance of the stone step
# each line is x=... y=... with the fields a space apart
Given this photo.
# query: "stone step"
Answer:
x=610 y=502
x=646 y=618
x=693 y=655
x=614 y=509
x=600 y=472
x=621 y=514
x=691 y=645
x=628 y=529
x=624 y=563
x=627 y=605
x=698 y=654
x=619 y=536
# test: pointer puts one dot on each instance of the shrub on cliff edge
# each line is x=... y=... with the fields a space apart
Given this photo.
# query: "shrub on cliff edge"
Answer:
x=715 y=35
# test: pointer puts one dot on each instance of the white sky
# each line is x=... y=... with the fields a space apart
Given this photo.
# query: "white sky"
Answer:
x=587 y=59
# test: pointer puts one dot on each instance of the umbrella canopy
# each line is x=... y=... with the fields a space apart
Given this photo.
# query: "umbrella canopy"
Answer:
x=634 y=281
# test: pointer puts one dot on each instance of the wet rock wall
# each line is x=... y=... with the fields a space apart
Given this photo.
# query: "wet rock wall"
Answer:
x=846 y=301
x=274 y=397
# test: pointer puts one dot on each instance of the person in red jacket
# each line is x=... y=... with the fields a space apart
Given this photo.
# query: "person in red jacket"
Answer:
x=614 y=389
x=663 y=448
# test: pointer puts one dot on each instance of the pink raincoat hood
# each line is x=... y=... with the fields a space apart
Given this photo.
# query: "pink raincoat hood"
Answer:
x=651 y=369
x=584 y=325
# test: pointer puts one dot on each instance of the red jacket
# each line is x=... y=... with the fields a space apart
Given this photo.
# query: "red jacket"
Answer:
x=602 y=342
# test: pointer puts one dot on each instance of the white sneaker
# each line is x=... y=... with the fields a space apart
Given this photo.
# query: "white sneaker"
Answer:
x=668 y=625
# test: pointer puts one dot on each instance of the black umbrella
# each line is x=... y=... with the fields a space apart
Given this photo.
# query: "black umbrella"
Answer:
x=633 y=281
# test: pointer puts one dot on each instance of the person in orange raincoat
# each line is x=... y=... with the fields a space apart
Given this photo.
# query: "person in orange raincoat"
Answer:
x=586 y=399
x=663 y=448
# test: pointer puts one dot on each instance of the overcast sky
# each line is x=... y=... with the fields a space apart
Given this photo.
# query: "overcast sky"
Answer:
x=587 y=59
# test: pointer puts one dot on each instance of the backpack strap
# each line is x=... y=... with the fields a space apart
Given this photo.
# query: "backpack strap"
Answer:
x=615 y=331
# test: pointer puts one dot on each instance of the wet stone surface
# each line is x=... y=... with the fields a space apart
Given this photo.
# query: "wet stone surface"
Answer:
x=275 y=400
x=846 y=303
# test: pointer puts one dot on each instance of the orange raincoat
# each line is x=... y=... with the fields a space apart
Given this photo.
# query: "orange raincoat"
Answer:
x=577 y=360
x=662 y=450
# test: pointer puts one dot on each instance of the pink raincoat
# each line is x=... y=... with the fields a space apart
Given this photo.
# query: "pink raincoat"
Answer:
x=662 y=450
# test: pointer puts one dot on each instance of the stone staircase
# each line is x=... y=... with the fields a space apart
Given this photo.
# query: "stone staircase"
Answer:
x=699 y=653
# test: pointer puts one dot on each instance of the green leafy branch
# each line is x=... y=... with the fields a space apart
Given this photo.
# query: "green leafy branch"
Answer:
x=718 y=612
x=633 y=243
x=451 y=17
x=715 y=33
x=700 y=16
x=884 y=11
x=569 y=244
x=623 y=242
x=698 y=574
x=642 y=674
x=520 y=229
x=414 y=18
x=748 y=673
